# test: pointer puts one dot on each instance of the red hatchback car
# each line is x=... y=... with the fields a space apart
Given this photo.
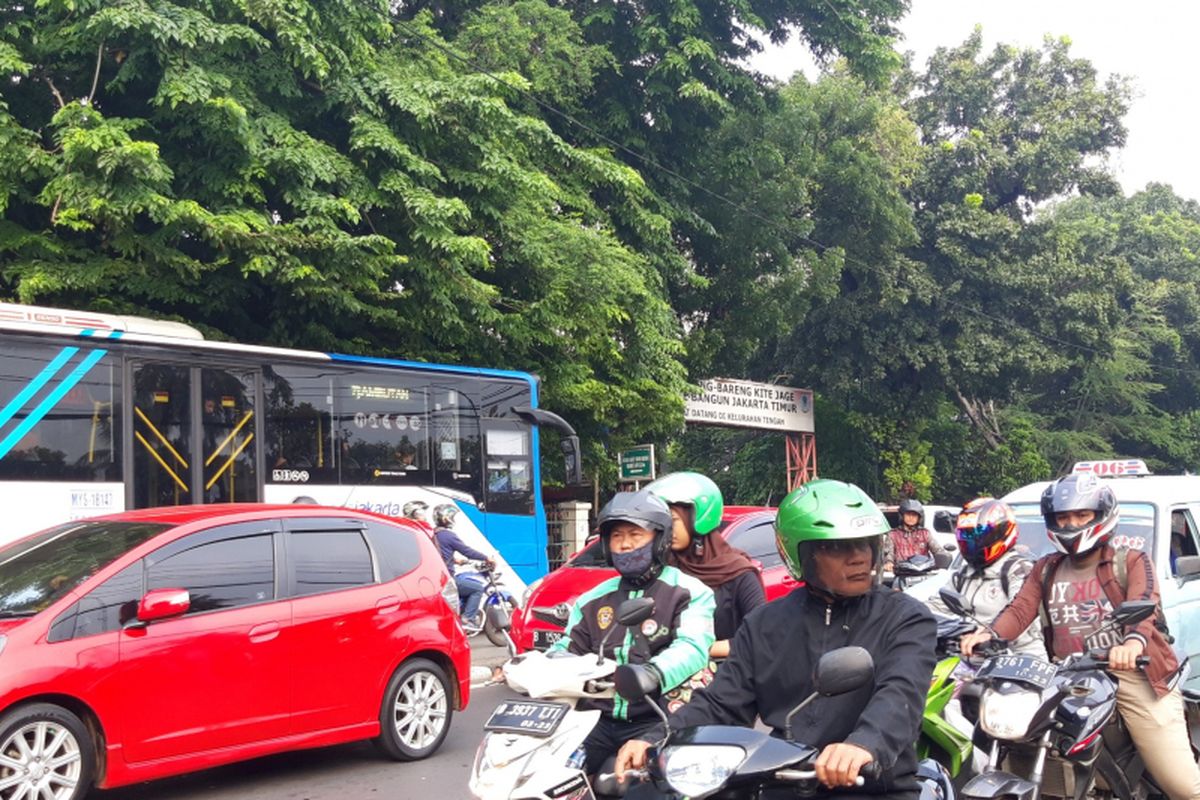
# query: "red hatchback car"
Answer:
x=539 y=621
x=161 y=641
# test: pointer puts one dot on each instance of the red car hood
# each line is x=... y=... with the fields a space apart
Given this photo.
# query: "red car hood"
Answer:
x=7 y=625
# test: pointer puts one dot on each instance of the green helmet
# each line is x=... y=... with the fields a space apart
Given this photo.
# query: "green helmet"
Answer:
x=695 y=490
x=822 y=510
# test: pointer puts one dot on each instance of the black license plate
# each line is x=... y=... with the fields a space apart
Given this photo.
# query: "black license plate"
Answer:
x=543 y=639
x=529 y=717
x=1023 y=669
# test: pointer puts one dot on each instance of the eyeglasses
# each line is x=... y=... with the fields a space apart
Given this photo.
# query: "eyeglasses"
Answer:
x=841 y=546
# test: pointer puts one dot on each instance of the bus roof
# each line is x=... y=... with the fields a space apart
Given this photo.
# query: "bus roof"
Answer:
x=62 y=322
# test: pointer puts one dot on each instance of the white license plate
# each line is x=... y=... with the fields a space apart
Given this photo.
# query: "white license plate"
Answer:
x=543 y=639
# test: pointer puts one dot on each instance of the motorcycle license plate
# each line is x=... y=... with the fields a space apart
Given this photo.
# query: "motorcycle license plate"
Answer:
x=528 y=717
x=1024 y=669
x=543 y=639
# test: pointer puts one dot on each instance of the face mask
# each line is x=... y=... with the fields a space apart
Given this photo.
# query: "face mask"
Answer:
x=634 y=563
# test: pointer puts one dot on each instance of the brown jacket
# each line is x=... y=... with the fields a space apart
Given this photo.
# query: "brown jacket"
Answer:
x=1023 y=610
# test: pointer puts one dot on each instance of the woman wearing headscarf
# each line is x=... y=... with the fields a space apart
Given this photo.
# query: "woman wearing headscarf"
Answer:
x=696 y=507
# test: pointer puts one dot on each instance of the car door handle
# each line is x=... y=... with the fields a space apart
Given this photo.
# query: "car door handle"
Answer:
x=264 y=632
x=388 y=605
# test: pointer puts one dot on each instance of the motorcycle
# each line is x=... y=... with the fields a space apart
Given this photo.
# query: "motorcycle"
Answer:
x=1032 y=712
x=732 y=761
x=946 y=727
x=487 y=577
x=531 y=748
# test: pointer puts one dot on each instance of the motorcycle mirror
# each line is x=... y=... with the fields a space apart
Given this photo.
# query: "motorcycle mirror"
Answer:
x=1131 y=612
x=843 y=670
x=630 y=613
x=954 y=601
x=839 y=671
x=635 y=611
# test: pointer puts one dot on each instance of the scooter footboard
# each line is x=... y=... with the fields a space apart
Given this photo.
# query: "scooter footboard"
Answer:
x=998 y=784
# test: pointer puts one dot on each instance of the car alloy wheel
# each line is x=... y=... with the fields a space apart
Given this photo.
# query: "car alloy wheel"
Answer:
x=416 y=711
x=45 y=752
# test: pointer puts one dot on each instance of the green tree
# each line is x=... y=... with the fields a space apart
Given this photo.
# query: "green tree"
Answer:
x=307 y=174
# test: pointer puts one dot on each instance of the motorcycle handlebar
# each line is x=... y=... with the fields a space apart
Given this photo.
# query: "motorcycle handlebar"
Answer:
x=809 y=775
x=631 y=775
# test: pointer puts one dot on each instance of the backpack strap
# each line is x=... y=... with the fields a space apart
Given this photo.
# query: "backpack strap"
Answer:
x=1004 y=574
x=1049 y=567
x=1121 y=570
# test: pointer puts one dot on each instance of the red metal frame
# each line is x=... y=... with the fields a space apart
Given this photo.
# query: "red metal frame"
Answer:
x=801 y=458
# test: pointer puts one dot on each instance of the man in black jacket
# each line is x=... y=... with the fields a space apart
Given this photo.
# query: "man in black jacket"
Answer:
x=830 y=534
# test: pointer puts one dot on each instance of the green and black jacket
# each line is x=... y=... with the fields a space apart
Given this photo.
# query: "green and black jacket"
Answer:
x=679 y=634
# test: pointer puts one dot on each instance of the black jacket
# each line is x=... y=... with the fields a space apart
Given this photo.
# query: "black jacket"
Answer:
x=735 y=600
x=771 y=663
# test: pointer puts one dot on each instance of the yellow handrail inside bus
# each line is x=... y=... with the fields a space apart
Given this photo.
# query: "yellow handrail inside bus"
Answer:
x=229 y=463
x=216 y=451
x=158 y=458
x=161 y=438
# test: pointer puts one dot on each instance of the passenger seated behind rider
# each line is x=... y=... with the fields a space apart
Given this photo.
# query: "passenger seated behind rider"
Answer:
x=1081 y=513
x=699 y=550
x=992 y=571
x=470 y=586
x=830 y=534
x=635 y=534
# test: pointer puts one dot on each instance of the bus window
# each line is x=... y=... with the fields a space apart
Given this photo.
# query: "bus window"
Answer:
x=454 y=437
x=383 y=428
x=59 y=413
x=299 y=429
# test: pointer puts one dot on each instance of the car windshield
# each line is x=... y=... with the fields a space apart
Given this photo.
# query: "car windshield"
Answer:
x=36 y=571
x=1135 y=528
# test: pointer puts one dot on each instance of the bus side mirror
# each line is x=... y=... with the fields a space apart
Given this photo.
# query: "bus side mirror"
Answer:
x=569 y=443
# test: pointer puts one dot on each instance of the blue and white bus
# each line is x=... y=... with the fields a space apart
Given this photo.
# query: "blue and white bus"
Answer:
x=101 y=413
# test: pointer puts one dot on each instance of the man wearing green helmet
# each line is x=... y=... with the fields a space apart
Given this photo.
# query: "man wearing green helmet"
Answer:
x=696 y=507
x=830 y=534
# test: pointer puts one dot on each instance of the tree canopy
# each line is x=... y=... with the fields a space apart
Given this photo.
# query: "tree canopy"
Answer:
x=607 y=195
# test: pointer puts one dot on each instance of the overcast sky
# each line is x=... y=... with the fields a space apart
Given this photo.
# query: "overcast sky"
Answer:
x=1154 y=42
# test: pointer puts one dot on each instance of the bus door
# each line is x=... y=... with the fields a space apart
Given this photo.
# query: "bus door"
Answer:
x=195 y=435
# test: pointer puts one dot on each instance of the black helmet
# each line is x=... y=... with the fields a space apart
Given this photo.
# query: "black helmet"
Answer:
x=645 y=510
x=1080 y=492
x=444 y=515
x=912 y=504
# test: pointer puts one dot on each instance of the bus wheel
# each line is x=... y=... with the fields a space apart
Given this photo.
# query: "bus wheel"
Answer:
x=47 y=752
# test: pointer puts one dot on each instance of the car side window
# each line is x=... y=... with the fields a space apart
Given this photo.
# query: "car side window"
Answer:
x=758 y=540
x=329 y=560
x=219 y=573
x=106 y=608
x=396 y=548
x=1183 y=536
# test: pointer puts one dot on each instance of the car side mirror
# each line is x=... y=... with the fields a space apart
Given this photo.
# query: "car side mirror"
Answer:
x=159 y=604
x=1186 y=566
x=843 y=670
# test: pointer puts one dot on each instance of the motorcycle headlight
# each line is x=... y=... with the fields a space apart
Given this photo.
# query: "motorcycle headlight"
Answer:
x=1007 y=716
x=695 y=771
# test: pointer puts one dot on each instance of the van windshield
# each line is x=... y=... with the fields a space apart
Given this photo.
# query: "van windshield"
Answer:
x=37 y=570
x=1135 y=529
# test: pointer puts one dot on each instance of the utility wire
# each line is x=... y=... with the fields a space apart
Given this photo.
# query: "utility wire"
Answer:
x=651 y=162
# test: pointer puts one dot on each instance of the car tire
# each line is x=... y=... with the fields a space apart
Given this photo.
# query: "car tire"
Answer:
x=415 y=714
x=495 y=635
x=37 y=733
